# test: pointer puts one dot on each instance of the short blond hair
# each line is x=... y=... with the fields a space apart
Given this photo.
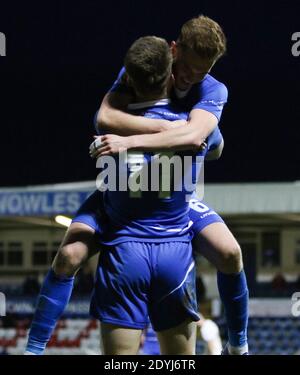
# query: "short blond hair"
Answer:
x=203 y=36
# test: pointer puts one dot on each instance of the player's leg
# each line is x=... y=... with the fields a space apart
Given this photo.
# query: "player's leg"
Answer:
x=218 y=245
x=119 y=340
x=78 y=245
x=214 y=240
x=179 y=340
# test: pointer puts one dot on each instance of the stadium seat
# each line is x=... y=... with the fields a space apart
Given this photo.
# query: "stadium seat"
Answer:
x=10 y=333
x=67 y=333
x=82 y=336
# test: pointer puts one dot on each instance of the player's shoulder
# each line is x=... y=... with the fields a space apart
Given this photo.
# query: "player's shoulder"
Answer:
x=169 y=112
x=212 y=85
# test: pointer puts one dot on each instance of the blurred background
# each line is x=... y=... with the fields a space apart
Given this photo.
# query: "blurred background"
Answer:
x=60 y=61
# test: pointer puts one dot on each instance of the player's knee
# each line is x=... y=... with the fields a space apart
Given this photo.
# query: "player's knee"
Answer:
x=68 y=260
x=232 y=259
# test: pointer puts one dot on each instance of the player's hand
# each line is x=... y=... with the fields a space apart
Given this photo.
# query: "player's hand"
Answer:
x=108 y=144
x=94 y=145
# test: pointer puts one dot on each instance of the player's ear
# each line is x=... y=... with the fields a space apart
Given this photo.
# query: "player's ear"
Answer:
x=173 y=47
x=126 y=79
x=171 y=82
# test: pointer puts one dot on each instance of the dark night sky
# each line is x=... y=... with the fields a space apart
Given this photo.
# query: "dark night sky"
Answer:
x=62 y=57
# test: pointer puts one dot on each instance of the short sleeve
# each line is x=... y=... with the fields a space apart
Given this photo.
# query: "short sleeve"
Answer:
x=213 y=99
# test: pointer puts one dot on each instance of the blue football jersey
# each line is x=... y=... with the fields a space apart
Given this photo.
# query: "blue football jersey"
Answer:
x=209 y=95
x=148 y=214
x=152 y=212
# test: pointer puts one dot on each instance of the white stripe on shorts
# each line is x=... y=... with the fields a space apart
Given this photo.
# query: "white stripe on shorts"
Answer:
x=180 y=285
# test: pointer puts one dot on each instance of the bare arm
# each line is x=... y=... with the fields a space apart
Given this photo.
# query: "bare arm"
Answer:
x=188 y=137
x=112 y=118
x=216 y=153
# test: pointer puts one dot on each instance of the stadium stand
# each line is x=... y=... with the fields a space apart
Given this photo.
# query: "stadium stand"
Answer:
x=267 y=336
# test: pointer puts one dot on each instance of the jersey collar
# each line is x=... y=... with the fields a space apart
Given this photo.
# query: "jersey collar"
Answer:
x=152 y=103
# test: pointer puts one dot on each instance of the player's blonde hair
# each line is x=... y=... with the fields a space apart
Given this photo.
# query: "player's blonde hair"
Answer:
x=148 y=63
x=203 y=36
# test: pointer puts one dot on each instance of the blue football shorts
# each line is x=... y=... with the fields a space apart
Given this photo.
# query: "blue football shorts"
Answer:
x=92 y=214
x=136 y=281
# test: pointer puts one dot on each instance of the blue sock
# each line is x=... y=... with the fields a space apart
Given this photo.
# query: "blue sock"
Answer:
x=234 y=295
x=52 y=300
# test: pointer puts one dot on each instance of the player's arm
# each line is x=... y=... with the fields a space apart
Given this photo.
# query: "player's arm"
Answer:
x=189 y=137
x=215 y=145
x=112 y=118
x=216 y=153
